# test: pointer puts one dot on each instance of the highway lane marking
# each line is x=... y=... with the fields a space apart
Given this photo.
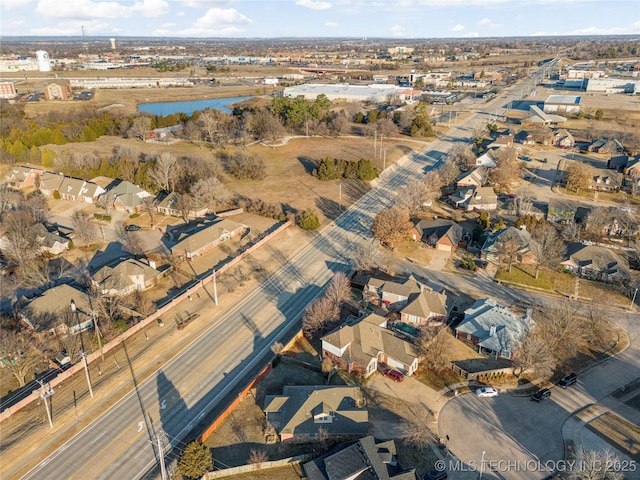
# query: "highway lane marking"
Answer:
x=98 y=437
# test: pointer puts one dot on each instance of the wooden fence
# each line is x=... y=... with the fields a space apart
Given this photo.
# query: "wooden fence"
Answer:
x=484 y=374
x=144 y=323
x=228 y=472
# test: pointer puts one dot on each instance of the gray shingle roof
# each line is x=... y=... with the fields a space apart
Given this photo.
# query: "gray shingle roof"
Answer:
x=440 y=227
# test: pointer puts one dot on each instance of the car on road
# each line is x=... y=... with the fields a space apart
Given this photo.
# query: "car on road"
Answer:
x=486 y=392
x=394 y=375
x=541 y=395
x=525 y=158
x=160 y=322
x=133 y=228
x=568 y=380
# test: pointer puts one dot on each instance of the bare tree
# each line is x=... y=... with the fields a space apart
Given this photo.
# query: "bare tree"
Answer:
x=139 y=128
x=184 y=205
x=150 y=207
x=598 y=221
x=210 y=192
x=578 y=176
x=20 y=352
x=534 y=354
x=165 y=171
x=560 y=327
x=507 y=170
x=258 y=457
x=548 y=248
x=277 y=348
x=267 y=126
x=449 y=171
x=392 y=225
x=571 y=231
x=417 y=431
x=318 y=314
x=83 y=226
x=244 y=165
x=595 y=465
x=365 y=257
x=432 y=344
x=412 y=197
x=507 y=251
x=339 y=290
x=21 y=240
x=143 y=304
x=131 y=241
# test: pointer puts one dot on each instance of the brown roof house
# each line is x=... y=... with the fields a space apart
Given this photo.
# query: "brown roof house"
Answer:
x=563 y=139
x=360 y=344
x=366 y=459
x=302 y=413
x=472 y=178
x=440 y=234
x=611 y=182
x=23 y=177
x=60 y=309
x=493 y=328
x=126 y=277
x=80 y=191
x=169 y=205
x=210 y=235
x=49 y=183
x=596 y=263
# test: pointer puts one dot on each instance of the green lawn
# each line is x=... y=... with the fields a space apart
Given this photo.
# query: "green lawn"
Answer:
x=547 y=279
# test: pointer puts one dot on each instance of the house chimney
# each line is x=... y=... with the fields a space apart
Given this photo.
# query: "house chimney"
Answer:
x=492 y=331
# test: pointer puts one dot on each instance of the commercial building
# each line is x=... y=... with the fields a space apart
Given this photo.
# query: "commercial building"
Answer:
x=7 y=90
x=375 y=93
x=562 y=104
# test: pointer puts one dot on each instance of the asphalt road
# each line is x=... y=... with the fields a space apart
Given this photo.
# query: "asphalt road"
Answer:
x=120 y=443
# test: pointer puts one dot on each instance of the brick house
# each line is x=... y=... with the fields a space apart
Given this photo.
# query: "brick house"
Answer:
x=196 y=243
x=440 y=234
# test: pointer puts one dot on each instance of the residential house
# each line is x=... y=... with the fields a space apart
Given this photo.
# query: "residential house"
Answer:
x=169 y=134
x=563 y=139
x=366 y=459
x=440 y=234
x=60 y=309
x=596 y=263
x=126 y=197
x=633 y=168
x=23 y=177
x=49 y=183
x=487 y=160
x=302 y=413
x=619 y=162
x=609 y=146
x=492 y=246
x=612 y=182
x=524 y=137
x=206 y=237
x=480 y=198
x=425 y=307
x=169 y=205
x=493 y=328
x=561 y=210
x=502 y=141
x=51 y=242
x=392 y=295
x=80 y=191
x=610 y=220
x=126 y=276
x=472 y=178
x=360 y=344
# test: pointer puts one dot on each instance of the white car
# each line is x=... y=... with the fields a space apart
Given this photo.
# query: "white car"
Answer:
x=486 y=392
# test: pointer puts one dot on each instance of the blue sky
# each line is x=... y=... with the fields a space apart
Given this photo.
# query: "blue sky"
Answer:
x=319 y=18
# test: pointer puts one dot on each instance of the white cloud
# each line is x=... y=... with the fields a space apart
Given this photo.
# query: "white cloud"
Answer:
x=633 y=29
x=397 y=31
x=180 y=14
x=10 y=4
x=457 y=28
x=313 y=4
x=167 y=25
x=82 y=9
x=216 y=22
x=484 y=21
x=471 y=35
x=332 y=24
x=74 y=27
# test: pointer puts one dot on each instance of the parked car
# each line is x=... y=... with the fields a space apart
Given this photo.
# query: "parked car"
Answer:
x=394 y=375
x=524 y=158
x=160 y=322
x=568 y=380
x=435 y=475
x=541 y=395
x=486 y=392
x=133 y=228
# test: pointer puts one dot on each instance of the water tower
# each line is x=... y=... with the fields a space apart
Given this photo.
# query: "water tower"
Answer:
x=113 y=43
x=44 y=64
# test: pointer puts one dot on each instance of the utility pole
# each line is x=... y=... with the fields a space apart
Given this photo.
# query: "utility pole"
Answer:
x=340 y=195
x=375 y=139
x=86 y=371
x=44 y=394
x=384 y=160
x=215 y=288
x=163 y=471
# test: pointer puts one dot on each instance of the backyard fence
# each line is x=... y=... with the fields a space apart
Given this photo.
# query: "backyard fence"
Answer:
x=254 y=467
x=482 y=375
